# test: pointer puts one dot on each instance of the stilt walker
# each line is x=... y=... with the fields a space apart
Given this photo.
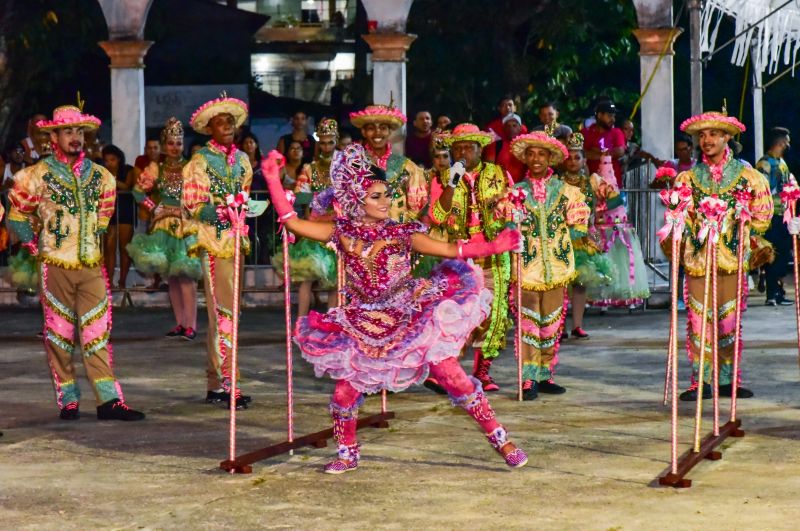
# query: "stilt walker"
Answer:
x=677 y=202
x=236 y=210
x=730 y=205
x=517 y=198
x=216 y=171
x=675 y=220
x=718 y=175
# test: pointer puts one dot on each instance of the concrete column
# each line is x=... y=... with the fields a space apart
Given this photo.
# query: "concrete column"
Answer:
x=389 y=45
x=389 y=66
x=127 y=94
x=658 y=109
x=758 y=111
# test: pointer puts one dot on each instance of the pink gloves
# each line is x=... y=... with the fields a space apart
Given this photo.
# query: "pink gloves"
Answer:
x=271 y=167
x=507 y=240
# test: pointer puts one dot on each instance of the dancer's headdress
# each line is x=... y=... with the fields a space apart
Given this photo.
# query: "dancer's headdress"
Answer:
x=351 y=175
x=439 y=141
x=713 y=120
x=541 y=140
x=575 y=142
x=222 y=105
x=172 y=129
x=328 y=127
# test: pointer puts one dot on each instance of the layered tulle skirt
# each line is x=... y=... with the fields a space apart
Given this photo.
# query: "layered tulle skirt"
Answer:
x=629 y=285
x=389 y=343
x=309 y=261
x=161 y=252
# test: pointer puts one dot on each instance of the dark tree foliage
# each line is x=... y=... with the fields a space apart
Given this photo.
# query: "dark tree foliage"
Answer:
x=470 y=53
x=49 y=52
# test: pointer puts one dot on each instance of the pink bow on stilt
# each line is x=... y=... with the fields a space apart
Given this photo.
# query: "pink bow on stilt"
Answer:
x=677 y=201
x=789 y=195
x=235 y=211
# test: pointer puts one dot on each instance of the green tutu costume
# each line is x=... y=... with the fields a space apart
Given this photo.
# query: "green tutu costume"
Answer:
x=23 y=270
x=309 y=261
x=630 y=286
x=163 y=249
x=594 y=267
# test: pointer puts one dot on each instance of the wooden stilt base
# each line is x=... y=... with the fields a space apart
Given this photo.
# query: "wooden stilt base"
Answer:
x=707 y=451
x=242 y=464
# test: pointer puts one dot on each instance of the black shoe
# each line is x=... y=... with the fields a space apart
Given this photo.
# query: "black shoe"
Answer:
x=434 y=386
x=117 y=410
x=783 y=301
x=529 y=390
x=690 y=395
x=70 y=412
x=215 y=397
x=189 y=334
x=549 y=387
x=741 y=392
x=176 y=332
x=564 y=335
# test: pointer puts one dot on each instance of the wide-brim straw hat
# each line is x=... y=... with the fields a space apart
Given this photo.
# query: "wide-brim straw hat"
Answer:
x=558 y=152
x=224 y=105
x=69 y=116
x=713 y=120
x=378 y=114
x=468 y=133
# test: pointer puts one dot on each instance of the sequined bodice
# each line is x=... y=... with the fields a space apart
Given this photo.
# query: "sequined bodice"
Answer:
x=377 y=259
x=170 y=182
x=381 y=295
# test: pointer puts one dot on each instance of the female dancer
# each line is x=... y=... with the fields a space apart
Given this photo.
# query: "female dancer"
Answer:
x=312 y=261
x=163 y=249
x=594 y=267
x=621 y=244
x=391 y=329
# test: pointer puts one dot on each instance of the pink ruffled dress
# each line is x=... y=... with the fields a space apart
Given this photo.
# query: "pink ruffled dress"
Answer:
x=392 y=325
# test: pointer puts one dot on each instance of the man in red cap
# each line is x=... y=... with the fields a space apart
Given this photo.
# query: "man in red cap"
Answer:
x=602 y=137
x=59 y=208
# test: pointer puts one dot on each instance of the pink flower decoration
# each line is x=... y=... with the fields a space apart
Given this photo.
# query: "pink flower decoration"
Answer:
x=713 y=208
x=676 y=198
x=666 y=173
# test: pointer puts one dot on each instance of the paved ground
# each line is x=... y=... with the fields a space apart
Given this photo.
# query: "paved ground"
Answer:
x=594 y=451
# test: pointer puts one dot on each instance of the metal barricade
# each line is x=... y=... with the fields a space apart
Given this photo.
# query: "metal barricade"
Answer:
x=646 y=214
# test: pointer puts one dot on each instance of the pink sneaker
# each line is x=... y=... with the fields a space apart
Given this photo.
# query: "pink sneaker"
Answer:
x=347 y=460
x=514 y=457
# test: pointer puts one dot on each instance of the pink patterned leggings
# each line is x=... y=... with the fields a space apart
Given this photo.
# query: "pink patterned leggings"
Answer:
x=464 y=392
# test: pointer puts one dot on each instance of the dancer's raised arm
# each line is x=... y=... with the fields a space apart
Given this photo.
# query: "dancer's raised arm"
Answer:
x=507 y=240
x=314 y=230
